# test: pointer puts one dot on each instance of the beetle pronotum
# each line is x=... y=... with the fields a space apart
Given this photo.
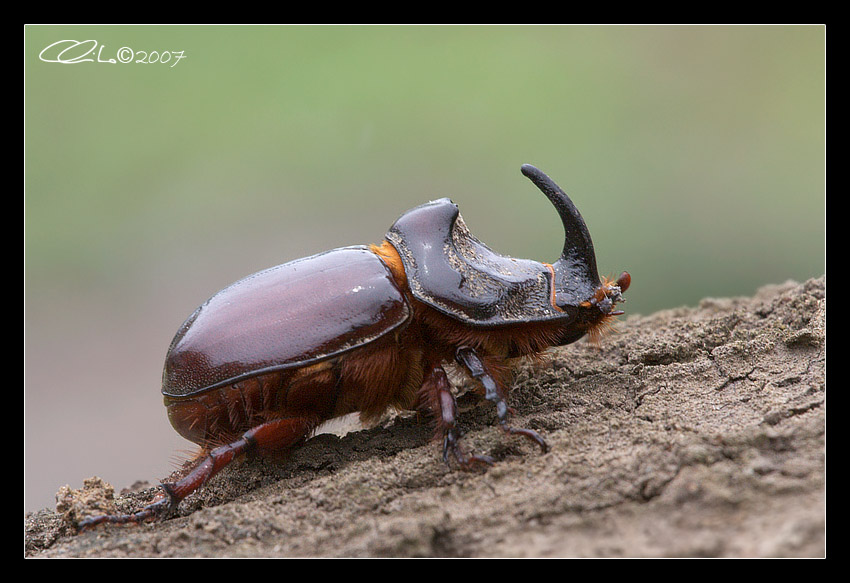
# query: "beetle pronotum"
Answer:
x=262 y=363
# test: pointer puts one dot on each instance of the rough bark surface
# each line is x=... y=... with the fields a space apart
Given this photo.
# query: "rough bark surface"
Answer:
x=690 y=432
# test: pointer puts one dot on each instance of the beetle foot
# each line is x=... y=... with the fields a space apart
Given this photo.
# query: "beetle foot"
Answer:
x=163 y=504
x=528 y=433
x=451 y=446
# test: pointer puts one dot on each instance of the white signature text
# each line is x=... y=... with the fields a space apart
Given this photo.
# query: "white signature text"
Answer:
x=71 y=52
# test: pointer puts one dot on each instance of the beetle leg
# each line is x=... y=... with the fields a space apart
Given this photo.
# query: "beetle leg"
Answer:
x=274 y=435
x=468 y=358
x=161 y=505
x=438 y=391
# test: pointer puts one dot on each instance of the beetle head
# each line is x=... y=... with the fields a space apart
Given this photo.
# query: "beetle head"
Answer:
x=578 y=287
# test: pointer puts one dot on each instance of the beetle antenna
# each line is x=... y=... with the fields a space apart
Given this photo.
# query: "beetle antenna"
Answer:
x=577 y=256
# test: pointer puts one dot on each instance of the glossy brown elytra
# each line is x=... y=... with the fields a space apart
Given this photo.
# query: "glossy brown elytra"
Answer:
x=262 y=363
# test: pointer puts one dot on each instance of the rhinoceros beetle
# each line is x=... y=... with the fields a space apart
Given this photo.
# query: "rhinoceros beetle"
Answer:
x=262 y=363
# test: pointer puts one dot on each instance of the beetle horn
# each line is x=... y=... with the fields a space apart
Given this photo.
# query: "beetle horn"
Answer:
x=575 y=270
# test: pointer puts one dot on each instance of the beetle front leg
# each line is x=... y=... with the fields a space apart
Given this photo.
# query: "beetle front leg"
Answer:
x=275 y=435
x=468 y=358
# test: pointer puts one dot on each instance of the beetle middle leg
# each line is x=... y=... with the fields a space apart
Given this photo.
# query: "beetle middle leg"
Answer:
x=274 y=435
x=469 y=359
x=437 y=391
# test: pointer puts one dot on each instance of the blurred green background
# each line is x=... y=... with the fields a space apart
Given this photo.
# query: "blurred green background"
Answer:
x=695 y=154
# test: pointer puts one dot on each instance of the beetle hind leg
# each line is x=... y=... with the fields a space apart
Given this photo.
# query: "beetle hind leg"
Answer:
x=469 y=359
x=274 y=435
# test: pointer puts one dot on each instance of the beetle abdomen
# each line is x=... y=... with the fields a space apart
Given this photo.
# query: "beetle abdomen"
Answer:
x=220 y=414
x=288 y=316
x=367 y=379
